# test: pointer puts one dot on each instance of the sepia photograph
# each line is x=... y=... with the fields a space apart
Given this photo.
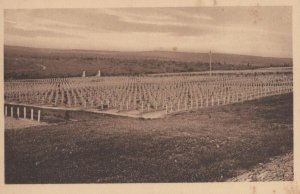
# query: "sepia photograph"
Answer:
x=148 y=95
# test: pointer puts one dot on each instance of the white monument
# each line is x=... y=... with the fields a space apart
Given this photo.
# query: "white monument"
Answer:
x=98 y=74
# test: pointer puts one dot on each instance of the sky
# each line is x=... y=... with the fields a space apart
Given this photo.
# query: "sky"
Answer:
x=256 y=30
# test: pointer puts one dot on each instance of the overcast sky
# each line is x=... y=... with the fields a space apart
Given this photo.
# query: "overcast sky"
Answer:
x=262 y=31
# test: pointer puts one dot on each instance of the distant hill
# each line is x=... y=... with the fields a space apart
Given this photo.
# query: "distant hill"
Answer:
x=25 y=62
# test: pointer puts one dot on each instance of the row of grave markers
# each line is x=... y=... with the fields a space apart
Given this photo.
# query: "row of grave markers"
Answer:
x=24 y=113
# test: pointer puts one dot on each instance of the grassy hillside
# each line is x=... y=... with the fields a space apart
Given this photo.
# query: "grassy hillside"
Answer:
x=23 y=62
x=205 y=145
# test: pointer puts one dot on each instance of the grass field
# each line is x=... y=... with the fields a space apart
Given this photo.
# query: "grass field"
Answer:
x=49 y=63
x=201 y=146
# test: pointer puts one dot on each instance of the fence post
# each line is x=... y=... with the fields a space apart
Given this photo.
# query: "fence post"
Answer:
x=31 y=114
x=39 y=115
x=12 y=111
x=24 y=112
x=18 y=112
x=5 y=111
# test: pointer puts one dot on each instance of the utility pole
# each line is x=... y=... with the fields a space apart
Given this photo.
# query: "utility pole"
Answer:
x=210 y=63
x=99 y=72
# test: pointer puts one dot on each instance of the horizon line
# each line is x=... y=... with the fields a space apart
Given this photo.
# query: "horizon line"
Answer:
x=139 y=51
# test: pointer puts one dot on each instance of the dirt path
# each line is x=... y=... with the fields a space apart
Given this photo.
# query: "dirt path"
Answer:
x=280 y=168
x=13 y=123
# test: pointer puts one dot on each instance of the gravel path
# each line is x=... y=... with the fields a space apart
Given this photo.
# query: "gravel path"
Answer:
x=280 y=168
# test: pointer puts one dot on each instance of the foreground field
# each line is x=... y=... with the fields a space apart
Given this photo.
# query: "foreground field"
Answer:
x=206 y=145
x=279 y=168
